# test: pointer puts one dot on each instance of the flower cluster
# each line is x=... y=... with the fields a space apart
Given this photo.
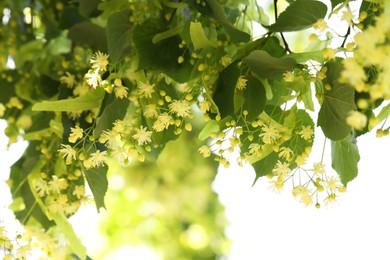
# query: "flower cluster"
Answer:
x=283 y=148
x=31 y=242
x=61 y=195
x=368 y=70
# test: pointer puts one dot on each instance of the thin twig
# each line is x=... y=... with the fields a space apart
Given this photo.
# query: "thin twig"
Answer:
x=346 y=36
x=173 y=13
x=286 y=47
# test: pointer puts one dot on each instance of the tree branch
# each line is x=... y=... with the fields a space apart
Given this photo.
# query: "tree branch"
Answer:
x=286 y=47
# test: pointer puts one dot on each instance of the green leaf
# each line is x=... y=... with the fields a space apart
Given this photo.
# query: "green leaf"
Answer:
x=224 y=93
x=112 y=6
x=345 y=158
x=280 y=92
x=272 y=45
x=299 y=15
x=204 y=10
x=21 y=172
x=236 y=35
x=98 y=183
x=219 y=14
x=307 y=99
x=118 y=35
x=383 y=114
x=163 y=55
x=56 y=128
x=59 y=45
x=303 y=57
x=198 y=37
x=88 y=8
x=74 y=242
x=338 y=101
x=297 y=143
x=290 y=119
x=28 y=52
x=265 y=166
x=7 y=87
x=91 y=100
x=116 y=109
x=167 y=34
x=247 y=48
x=90 y=34
x=211 y=127
x=69 y=16
x=266 y=66
x=336 y=2
x=372 y=10
x=254 y=98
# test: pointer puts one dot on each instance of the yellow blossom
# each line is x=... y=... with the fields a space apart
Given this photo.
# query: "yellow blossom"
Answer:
x=318 y=168
x=57 y=184
x=356 y=120
x=241 y=83
x=24 y=121
x=41 y=186
x=204 y=105
x=68 y=79
x=204 y=151
x=121 y=155
x=71 y=208
x=68 y=153
x=306 y=133
x=225 y=61
x=269 y=134
x=329 y=54
x=108 y=137
x=93 y=78
x=15 y=102
x=2 y=109
x=150 y=111
x=354 y=74
x=306 y=199
x=299 y=191
x=288 y=76
x=99 y=61
x=163 y=121
x=76 y=133
x=57 y=206
x=348 y=16
x=79 y=191
x=300 y=160
x=145 y=90
x=281 y=168
x=142 y=136
x=180 y=108
x=23 y=252
x=119 y=126
x=320 y=25
x=332 y=183
x=88 y=164
x=118 y=82
x=286 y=153
x=278 y=184
x=255 y=148
x=98 y=158
x=121 y=91
x=331 y=198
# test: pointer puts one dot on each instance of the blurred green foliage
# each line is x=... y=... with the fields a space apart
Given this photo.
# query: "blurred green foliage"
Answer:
x=168 y=205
